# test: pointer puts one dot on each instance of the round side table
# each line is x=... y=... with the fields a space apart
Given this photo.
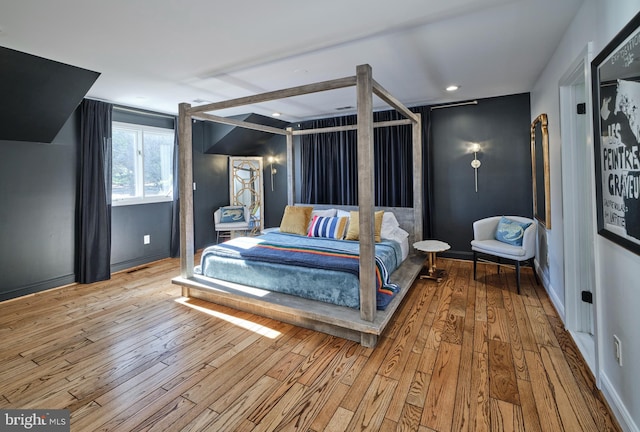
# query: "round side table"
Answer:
x=431 y=247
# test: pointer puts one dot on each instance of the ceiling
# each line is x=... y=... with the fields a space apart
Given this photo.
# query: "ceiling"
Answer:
x=156 y=54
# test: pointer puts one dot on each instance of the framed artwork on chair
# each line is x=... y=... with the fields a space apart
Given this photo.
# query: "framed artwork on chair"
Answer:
x=615 y=75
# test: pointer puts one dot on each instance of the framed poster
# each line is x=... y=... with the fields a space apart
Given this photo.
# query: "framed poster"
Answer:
x=615 y=76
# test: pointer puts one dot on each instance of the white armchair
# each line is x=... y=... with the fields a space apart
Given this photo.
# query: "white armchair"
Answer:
x=485 y=243
x=229 y=219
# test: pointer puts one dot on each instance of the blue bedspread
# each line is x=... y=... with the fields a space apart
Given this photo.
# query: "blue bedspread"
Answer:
x=324 y=269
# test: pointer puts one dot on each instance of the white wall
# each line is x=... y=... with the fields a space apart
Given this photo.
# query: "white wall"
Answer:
x=619 y=270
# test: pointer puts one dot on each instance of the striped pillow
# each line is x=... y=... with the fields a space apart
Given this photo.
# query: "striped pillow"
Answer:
x=330 y=227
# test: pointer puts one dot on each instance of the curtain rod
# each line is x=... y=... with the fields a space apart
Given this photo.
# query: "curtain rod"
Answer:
x=143 y=111
x=474 y=102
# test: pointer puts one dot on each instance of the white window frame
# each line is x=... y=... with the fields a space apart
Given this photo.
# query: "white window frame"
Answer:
x=140 y=130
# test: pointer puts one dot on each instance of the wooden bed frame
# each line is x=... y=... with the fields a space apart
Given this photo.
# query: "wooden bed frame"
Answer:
x=366 y=324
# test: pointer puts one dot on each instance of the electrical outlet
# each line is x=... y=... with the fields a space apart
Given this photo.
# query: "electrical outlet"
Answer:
x=618 y=349
x=147 y=239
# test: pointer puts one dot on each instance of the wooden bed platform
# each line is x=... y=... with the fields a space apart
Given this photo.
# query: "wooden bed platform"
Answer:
x=338 y=321
x=363 y=325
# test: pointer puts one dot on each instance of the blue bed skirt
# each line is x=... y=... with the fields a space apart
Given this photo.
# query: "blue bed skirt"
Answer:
x=225 y=262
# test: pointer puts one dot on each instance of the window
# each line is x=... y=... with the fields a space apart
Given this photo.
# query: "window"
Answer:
x=142 y=164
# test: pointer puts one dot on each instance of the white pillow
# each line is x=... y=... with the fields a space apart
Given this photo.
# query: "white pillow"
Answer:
x=323 y=213
x=342 y=213
x=389 y=223
x=398 y=234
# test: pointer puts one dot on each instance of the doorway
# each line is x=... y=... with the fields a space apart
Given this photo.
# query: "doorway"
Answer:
x=578 y=195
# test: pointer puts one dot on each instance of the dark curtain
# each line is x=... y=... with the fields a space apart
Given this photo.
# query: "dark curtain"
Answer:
x=329 y=163
x=94 y=197
x=393 y=170
x=175 y=209
x=427 y=170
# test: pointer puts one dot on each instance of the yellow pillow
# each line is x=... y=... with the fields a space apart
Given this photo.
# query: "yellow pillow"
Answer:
x=354 y=225
x=296 y=220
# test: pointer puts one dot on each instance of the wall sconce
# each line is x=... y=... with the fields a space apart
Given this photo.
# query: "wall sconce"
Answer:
x=475 y=163
x=272 y=169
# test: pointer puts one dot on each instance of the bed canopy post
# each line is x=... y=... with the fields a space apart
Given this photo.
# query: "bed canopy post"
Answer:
x=364 y=90
x=416 y=130
x=186 y=192
x=290 y=174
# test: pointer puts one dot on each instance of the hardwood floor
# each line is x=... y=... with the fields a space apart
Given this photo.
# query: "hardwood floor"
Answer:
x=130 y=354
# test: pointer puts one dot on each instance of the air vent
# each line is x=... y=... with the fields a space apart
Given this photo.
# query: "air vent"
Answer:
x=344 y=108
x=137 y=269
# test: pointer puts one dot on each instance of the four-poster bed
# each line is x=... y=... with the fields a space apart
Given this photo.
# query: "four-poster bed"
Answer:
x=364 y=324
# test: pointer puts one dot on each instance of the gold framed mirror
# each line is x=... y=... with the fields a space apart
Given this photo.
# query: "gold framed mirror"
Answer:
x=246 y=187
x=540 y=170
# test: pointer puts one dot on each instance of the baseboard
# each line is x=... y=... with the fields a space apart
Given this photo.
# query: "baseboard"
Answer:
x=553 y=296
x=586 y=346
x=617 y=406
x=124 y=265
x=37 y=287
x=461 y=255
x=557 y=303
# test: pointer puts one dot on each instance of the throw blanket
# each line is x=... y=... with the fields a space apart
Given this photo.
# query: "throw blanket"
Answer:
x=318 y=257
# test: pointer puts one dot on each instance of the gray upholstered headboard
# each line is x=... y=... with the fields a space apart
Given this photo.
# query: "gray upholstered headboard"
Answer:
x=404 y=215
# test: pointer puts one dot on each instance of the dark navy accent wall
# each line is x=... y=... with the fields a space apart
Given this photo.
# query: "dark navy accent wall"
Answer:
x=129 y=225
x=275 y=200
x=211 y=176
x=501 y=126
x=38 y=185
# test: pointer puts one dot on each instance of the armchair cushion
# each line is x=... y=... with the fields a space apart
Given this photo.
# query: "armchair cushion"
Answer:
x=511 y=231
x=232 y=214
x=242 y=224
x=498 y=248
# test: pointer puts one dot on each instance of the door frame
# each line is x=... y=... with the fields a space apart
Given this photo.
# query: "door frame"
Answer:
x=579 y=72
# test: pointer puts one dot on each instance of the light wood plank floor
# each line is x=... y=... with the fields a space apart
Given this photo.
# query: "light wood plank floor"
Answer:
x=130 y=354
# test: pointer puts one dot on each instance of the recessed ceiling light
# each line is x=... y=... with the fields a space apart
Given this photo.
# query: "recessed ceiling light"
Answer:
x=453 y=87
x=276 y=114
